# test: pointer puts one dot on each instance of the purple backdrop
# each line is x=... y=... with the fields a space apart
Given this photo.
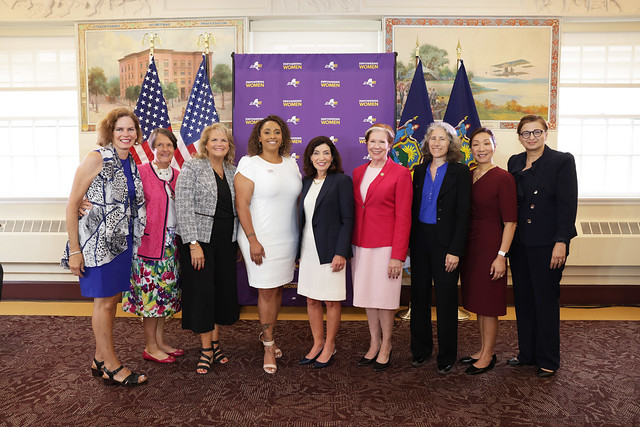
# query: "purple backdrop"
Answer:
x=336 y=95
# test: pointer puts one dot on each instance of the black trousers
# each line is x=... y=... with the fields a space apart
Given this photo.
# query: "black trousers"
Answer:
x=536 y=292
x=427 y=266
x=210 y=295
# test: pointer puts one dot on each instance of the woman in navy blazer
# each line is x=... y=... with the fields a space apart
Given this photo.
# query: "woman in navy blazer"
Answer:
x=325 y=220
x=440 y=221
x=547 y=190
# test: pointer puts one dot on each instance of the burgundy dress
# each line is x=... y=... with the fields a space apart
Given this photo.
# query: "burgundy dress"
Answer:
x=493 y=202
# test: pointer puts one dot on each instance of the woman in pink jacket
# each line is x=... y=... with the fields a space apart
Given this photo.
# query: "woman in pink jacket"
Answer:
x=382 y=192
x=154 y=292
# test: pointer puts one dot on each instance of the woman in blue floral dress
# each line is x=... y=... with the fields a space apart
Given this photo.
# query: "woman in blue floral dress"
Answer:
x=155 y=292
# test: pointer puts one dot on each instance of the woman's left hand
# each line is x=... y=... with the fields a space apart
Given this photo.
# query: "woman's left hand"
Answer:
x=395 y=268
x=498 y=267
x=559 y=255
x=451 y=263
x=338 y=263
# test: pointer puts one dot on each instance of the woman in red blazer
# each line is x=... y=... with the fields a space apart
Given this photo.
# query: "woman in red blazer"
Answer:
x=382 y=192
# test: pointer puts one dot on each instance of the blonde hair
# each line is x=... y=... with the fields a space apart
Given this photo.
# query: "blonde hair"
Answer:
x=203 y=153
x=381 y=126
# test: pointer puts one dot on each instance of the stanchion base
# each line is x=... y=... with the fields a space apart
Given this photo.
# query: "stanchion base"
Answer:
x=463 y=315
x=404 y=314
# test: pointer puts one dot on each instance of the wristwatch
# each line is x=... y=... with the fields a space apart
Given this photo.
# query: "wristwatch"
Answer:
x=503 y=253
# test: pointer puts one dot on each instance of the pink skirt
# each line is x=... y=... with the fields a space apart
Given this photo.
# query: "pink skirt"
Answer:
x=372 y=287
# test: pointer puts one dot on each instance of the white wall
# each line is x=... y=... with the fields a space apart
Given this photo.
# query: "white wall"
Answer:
x=35 y=257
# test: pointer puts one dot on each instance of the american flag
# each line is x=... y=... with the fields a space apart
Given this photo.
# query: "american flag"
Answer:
x=151 y=110
x=199 y=113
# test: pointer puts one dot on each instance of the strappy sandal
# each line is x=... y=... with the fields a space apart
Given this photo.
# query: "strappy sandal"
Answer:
x=97 y=371
x=277 y=352
x=269 y=368
x=218 y=355
x=204 y=363
x=133 y=379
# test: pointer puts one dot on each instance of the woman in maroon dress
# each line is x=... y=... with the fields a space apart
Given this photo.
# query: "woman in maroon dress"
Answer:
x=484 y=269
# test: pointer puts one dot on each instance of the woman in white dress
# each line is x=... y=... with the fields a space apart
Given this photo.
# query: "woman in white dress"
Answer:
x=267 y=186
x=325 y=219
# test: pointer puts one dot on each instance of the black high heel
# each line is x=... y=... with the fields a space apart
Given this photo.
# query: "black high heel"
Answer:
x=97 y=371
x=218 y=355
x=367 y=362
x=205 y=361
x=305 y=361
x=379 y=367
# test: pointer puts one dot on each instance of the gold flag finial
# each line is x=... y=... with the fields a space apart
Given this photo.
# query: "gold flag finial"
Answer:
x=458 y=53
x=152 y=39
x=206 y=39
x=417 y=50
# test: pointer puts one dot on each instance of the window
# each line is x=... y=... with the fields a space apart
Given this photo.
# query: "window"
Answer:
x=38 y=116
x=599 y=111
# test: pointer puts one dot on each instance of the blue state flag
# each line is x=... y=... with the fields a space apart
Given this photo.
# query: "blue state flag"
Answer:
x=416 y=118
x=462 y=113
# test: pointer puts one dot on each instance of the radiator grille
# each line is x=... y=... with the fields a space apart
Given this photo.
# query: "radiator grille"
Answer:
x=33 y=226
x=609 y=228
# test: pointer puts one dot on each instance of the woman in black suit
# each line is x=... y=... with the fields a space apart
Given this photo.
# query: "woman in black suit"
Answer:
x=325 y=219
x=439 y=225
x=547 y=188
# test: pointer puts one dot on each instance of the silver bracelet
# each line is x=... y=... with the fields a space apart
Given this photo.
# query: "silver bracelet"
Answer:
x=75 y=253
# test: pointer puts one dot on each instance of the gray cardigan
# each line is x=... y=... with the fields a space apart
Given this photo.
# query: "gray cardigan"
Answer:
x=196 y=199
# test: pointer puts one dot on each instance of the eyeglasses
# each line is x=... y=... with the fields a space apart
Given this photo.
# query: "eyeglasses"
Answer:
x=526 y=134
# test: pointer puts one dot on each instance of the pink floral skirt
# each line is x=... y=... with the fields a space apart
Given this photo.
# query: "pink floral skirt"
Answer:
x=154 y=290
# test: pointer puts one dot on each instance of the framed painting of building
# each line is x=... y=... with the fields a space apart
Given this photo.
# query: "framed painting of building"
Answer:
x=113 y=59
x=512 y=63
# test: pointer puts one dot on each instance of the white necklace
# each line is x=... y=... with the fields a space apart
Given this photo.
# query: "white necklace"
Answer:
x=318 y=181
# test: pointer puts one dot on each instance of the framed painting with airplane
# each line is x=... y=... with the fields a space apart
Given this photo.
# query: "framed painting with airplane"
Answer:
x=512 y=63
x=113 y=58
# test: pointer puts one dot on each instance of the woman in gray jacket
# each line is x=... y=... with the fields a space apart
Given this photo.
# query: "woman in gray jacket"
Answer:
x=207 y=225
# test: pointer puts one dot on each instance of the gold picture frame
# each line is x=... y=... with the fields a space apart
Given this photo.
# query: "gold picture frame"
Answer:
x=512 y=63
x=117 y=48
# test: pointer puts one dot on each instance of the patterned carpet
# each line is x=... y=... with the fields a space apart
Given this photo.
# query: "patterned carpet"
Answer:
x=45 y=380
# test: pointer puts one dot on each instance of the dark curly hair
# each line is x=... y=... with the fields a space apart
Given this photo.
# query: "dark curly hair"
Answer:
x=255 y=147
x=307 y=164
x=108 y=124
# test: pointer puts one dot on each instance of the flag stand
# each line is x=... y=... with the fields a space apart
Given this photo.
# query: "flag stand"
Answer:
x=462 y=314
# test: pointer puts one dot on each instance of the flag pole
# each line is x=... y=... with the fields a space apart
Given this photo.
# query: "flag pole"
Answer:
x=462 y=314
x=405 y=314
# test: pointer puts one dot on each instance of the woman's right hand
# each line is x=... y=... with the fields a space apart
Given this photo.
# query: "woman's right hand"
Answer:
x=256 y=250
x=84 y=208
x=197 y=256
x=76 y=264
